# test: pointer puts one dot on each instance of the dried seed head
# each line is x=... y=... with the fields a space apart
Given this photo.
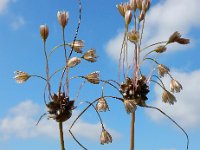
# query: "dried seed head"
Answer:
x=128 y=17
x=105 y=137
x=133 y=36
x=162 y=70
x=160 y=49
x=123 y=7
x=90 y=55
x=102 y=105
x=77 y=45
x=176 y=37
x=175 y=86
x=133 y=5
x=93 y=77
x=73 y=62
x=44 y=32
x=168 y=97
x=130 y=106
x=21 y=76
x=63 y=18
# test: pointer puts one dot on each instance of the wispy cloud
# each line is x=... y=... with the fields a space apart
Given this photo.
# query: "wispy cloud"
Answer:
x=21 y=119
x=162 y=20
x=186 y=111
x=18 y=22
x=4 y=5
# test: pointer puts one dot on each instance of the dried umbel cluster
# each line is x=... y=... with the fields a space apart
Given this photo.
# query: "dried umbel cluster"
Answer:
x=60 y=108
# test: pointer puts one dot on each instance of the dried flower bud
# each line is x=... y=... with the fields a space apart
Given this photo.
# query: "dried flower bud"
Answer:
x=105 y=137
x=90 y=55
x=160 y=49
x=128 y=17
x=77 y=45
x=139 y=4
x=44 y=32
x=141 y=16
x=133 y=5
x=102 y=105
x=133 y=36
x=162 y=70
x=176 y=37
x=146 y=5
x=63 y=17
x=175 y=86
x=93 y=77
x=73 y=62
x=123 y=7
x=130 y=105
x=21 y=76
x=167 y=97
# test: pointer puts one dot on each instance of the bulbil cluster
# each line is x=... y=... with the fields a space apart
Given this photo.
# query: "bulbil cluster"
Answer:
x=60 y=108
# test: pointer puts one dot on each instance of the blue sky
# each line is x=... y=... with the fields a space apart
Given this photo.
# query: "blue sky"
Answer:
x=101 y=28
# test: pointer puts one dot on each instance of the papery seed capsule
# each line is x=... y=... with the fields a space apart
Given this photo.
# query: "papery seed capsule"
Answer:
x=175 y=86
x=44 y=32
x=73 y=62
x=162 y=70
x=21 y=76
x=77 y=45
x=130 y=106
x=63 y=18
x=102 y=105
x=105 y=137
x=133 y=5
x=133 y=36
x=167 y=97
x=128 y=17
x=90 y=55
x=160 y=49
x=93 y=77
x=123 y=7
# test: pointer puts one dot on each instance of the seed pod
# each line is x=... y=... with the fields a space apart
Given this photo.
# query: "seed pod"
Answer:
x=44 y=32
x=63 y=18
x=73 y=62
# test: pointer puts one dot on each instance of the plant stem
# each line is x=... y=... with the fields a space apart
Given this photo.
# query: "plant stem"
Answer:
x=132 y=131
x=61 y=136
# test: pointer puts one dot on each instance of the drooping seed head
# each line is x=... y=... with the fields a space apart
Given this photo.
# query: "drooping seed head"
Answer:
x=175 y=86
x=74 y=61
x=168 y=97
x=93 y=77
x=90 y=55
x=102 y=105
x=130 y=106
x=21 y=76
x=63 y=17
x=77 y=45
x=105 y=137
x=162 y=70
x=176 y=37
x=133 y=36
x=44 y=32
x=160 y=49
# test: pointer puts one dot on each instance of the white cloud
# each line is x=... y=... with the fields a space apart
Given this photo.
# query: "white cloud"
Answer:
x=4 y=5
x=162 y=20
x=186 y=111
x=20 y=123
x=18 y=22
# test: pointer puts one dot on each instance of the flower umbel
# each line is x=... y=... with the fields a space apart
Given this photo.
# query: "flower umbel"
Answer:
x=105 y=137
x=175 y=86
x=167 y=97
x=21 y=76
x=102 y=105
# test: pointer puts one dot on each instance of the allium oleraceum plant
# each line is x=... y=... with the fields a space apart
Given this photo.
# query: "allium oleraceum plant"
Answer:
x=59 y=105
x=134 y=86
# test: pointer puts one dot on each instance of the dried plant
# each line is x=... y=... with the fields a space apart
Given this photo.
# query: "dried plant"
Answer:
x=59 y=105
x=135 y=85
